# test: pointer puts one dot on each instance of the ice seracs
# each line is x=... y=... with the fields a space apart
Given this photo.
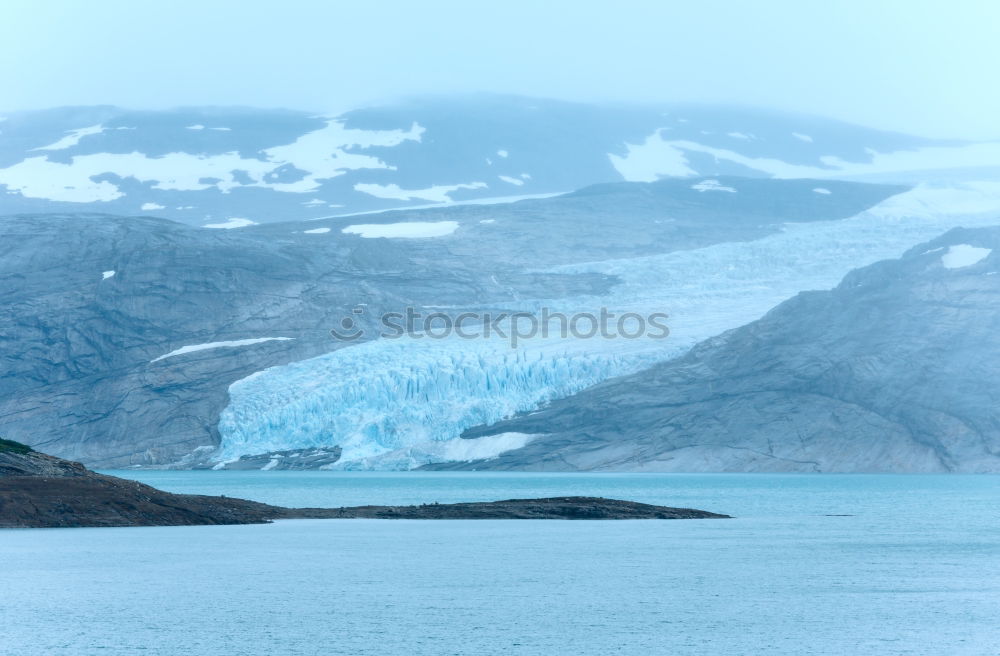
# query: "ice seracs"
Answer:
x=388 y=403
x=391 y=394
x=964 y=255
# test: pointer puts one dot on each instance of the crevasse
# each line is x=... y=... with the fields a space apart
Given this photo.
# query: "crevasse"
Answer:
x=385 y=395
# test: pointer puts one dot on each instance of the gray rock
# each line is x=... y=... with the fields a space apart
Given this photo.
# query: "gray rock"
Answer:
x=895 y=370
x=291 y=460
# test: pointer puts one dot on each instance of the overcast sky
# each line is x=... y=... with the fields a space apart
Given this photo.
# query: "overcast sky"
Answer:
x=920 y=66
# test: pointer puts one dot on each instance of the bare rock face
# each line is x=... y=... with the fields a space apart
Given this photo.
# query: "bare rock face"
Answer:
x=39 y=491
x=290 y=460
x=895 y=370
x=101 y=311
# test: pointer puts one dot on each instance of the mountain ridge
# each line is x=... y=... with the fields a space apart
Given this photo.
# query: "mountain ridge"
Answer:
x=210 y=166
x=827 y=381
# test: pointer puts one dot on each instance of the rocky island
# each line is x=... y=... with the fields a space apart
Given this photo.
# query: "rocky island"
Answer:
x=38 y=490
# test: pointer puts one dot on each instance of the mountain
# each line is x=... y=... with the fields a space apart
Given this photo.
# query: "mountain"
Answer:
x=143 y=341
x=230 y=167
x=897 y=369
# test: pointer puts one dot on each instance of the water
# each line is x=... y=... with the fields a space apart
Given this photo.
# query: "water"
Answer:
x=912 y=569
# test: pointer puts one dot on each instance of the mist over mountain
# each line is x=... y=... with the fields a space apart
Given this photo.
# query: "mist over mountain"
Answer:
x=227 y=167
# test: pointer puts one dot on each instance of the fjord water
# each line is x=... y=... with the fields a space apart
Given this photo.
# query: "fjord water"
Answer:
x=811 y=564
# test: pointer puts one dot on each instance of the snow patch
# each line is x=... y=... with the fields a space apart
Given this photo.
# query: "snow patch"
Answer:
x=214 y=345
x=409 y=230
x=712 y=185
x=656 y=156
x=316 y=231
x=231 y=223
x=934 y=202
x=503 y=153
x=152 y=206
x=493 y=200
x=195 y=127
x=802 y=137
x=822 y=190
x=438 y=193
x=323 y=154
x=73 y=137
x=964 y=255
x=514 y=181
x=740 y=135
x=488 y=221
x=647 y=161
x=107 y=274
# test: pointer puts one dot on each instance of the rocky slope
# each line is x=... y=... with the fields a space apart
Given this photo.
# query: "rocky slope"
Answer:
x=40 y=491
x=897 y=369
x=105 y=358
x=231 y=166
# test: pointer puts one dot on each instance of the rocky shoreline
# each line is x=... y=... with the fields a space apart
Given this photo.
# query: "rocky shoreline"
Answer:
x=41 y=491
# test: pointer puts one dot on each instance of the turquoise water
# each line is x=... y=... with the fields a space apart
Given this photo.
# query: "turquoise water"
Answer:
x=913 y=569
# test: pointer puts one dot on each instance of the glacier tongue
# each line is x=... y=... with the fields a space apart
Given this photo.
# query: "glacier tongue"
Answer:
x=386 y=395
x=400 y=403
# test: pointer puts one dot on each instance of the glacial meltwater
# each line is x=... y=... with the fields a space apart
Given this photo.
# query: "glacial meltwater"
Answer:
x=811 y=564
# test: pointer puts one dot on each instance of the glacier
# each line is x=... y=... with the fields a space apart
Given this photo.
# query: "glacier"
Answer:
x=386 y=395
x=401 y=403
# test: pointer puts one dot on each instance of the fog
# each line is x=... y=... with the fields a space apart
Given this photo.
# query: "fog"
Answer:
x=922 y=67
